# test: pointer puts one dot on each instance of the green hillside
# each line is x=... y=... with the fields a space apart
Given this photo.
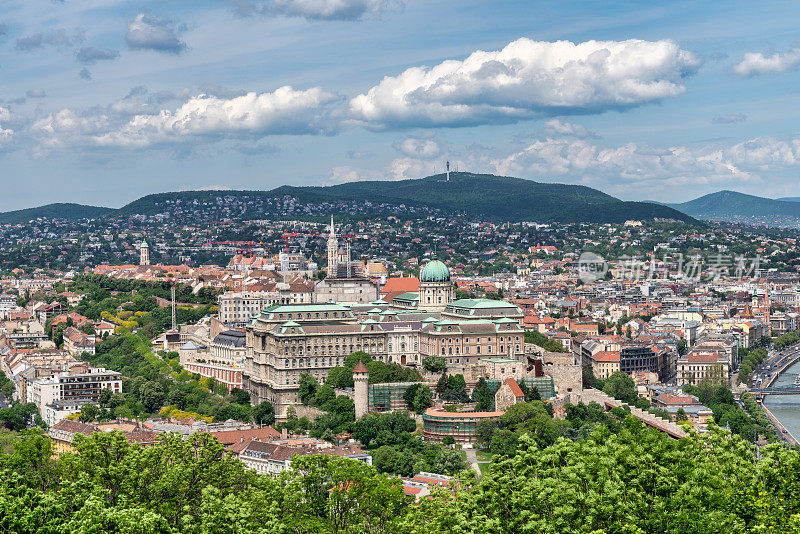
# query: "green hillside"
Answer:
x=495 y=197
x=485 y=195
x=54 y=211
x=730 y=204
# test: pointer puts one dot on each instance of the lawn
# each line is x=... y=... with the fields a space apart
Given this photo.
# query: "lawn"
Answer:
x=484 y=456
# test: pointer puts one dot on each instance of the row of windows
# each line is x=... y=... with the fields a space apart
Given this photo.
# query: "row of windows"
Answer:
x=477 y=340
x=303 y=362
x=344 y=349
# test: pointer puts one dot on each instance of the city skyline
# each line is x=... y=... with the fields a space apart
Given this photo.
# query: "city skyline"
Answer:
x=103 y=102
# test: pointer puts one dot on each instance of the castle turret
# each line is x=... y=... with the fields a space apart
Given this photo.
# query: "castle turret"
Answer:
x=361 y=381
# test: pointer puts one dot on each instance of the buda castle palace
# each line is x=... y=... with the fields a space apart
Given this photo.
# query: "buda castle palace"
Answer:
x=285 y=340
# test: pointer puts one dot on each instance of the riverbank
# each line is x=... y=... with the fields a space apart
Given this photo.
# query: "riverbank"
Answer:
x=784 y=410
x=784 y=432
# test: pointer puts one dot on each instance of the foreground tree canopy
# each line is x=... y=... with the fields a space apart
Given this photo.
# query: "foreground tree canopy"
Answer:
x=632 y=481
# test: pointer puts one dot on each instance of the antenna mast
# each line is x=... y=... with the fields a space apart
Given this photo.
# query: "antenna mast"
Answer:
x=448 y=171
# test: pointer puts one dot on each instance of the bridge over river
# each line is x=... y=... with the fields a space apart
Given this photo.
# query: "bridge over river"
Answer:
x=776 y=390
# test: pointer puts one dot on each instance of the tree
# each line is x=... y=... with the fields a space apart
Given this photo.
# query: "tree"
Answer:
x=385 y=458
x=434 y=364
x=448 y=462
x=88 y=413
x=152 y=396
x=448 y=441
x=324 y=395
x=105 y=396
x=482 y=396
x=680 y=416
x=418 y=397
x=8 y=389
x=263 y=413
x=455 y=390
x=240 y=396
x=306 y=387
x=442 y=384
x=484 y=431
x=622 y=387
x=504 y=441
x=18 y=415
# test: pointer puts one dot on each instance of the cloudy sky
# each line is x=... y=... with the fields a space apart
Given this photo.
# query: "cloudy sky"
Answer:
x=102 y=101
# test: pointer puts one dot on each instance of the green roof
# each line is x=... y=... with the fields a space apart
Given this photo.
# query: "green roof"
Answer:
x=434 y=271
x=481 y=304
x=408 y=295
x=498 y=360
x=301 y=308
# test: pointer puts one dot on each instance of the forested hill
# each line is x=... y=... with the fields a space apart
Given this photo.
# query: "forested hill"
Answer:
x=732 y=204
x=493 y=197
x=54 y=211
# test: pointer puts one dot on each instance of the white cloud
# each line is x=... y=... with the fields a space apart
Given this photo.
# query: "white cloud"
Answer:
x=528 y=79
x=90 y=54
x=315 y=9
x=345 y=173
x=58 y=38
x=148 y=32
x=5 y=133
x=285 y=111
x=729 y=119
x=755 y=63
x=577 y=160
x=410 y=168
x=35 y=93
x=65 y=128
x=215 y=187
x=557 y=127
x=424 y=148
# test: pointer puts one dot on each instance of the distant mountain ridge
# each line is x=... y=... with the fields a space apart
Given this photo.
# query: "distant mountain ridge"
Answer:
x=732 y=205
x=67 y=211
x=499 y=198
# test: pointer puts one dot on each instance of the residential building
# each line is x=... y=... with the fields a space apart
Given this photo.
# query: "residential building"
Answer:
x=274 y=457
x=77 y=342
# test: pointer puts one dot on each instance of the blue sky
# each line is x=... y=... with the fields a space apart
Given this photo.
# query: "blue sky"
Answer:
x=103 y=101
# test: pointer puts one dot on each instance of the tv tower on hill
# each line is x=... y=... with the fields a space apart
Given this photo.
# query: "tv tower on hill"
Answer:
x=448 y=171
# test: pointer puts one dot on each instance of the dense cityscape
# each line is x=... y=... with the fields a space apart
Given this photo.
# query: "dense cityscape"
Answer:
x=399 y=267
x=422 y=347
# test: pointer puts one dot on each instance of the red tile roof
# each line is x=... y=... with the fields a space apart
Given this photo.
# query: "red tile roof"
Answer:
x=515 y=389
x=402 y=285
x=606 y=356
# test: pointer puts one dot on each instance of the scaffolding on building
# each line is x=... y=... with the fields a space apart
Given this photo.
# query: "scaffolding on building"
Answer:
x=544 y=384
x=388 y=396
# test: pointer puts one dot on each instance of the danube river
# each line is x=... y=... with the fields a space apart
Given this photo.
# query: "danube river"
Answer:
x=786 y=407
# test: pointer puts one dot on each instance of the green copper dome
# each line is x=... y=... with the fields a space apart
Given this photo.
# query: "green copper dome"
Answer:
x=435 y=271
